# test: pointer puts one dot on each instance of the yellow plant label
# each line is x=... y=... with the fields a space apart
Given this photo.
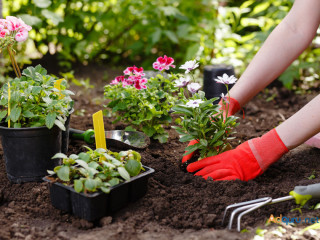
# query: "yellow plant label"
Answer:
x=57 y=85
x=98 y=127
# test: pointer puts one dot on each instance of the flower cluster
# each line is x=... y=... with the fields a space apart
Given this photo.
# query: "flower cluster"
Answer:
x=14 y=28
x=135 y=78
x=185 y=81
x=163 y=63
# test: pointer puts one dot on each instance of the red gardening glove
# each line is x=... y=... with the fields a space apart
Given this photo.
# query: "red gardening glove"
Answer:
x=249 y=160
x=234 y=107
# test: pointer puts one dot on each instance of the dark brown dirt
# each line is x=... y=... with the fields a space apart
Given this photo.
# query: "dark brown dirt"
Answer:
x=177 y=205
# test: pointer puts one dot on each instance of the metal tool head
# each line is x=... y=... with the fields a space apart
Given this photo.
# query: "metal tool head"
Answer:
x=125 y=139
x=244 y=208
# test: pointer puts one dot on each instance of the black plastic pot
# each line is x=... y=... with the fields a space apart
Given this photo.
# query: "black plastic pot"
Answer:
x=93 y=206
x=28 y=152
x=211 y=88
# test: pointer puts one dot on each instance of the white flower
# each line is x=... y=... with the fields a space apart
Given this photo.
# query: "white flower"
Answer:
x=190 y=65
x=194 y=103
x=182 y=82
x=194 y=87
x=224 y=98
x=225 y=79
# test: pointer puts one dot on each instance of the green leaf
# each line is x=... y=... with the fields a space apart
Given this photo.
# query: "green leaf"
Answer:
x=3 y=114
x=163 y=138
x=90 y=184
x=84 y=156
x=28 y=114
x=186 y=138
x=218 y=135
x=156 y=35
x=30 y=20
x=78 y=185
x=50 y=119
x=192 y=148
x=82 y=163
x=55 y=18
x=105 y=189
x=181 y=109
x=204 y=142
x=114 y=181
x=123 y=173
x=63 y=173
x=93 y=165
x=15 y=114
x=60 y=155
x=192 y=51
x=133 y=167
x=36 y=90
x=171 y=35
x=60 y=125
x=42 y=3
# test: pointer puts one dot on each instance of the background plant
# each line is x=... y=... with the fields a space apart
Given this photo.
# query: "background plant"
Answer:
x=214 y=31
x=142 y=103
x=35 y=101
x=98 y=169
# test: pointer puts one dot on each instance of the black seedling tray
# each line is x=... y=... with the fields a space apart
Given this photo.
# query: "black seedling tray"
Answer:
x=93 y=206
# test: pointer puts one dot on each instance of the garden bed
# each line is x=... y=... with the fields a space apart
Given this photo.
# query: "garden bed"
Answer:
x=177 y=204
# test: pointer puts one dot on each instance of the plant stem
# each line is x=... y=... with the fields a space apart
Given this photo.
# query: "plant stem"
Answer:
x=14 y=63
x=228 y=100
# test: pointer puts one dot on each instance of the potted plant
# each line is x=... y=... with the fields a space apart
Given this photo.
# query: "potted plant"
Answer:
x=33 y=116
x=94 y=183
x=33 y=112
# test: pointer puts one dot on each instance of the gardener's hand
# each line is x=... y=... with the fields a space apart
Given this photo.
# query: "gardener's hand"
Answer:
x=232 y=105
x=247 y=161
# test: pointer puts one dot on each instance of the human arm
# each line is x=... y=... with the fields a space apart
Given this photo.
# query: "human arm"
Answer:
x=253 y=157
x=286 y=42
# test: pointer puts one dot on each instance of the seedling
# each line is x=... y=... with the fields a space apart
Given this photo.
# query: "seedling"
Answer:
x=98 y=169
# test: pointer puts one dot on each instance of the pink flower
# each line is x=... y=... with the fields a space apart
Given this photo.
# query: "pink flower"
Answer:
x=134 y=70
x=4 y=32
x=140 y=83
x=16 y=24
x=117 y=80
x=163 y=63
x=21 y=35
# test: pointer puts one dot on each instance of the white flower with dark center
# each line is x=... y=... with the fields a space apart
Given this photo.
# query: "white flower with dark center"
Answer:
x=225 y=79
x=189 y=65
x=182 y=82
x=194 y=87
x=194 y=103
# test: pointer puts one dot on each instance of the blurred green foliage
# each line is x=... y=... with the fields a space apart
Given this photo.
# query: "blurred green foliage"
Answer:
x=125 y=31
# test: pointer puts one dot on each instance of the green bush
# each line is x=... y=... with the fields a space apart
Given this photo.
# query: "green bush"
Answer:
x=122 y=31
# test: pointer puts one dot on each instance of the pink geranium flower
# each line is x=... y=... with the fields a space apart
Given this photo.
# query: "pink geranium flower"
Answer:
x=163 y=63
x=16 y=24
x=134 y=71
x=21 y=35
x=140 y=83
x=117 y=80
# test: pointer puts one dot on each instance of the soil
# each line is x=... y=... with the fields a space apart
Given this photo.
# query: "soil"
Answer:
x=177 y=205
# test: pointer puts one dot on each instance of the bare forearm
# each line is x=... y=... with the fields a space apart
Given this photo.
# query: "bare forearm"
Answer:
x=288 y=40
x=302 y=125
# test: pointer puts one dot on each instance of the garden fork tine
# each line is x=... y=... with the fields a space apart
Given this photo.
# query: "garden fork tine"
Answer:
x=247 y=203
x=249 y=206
